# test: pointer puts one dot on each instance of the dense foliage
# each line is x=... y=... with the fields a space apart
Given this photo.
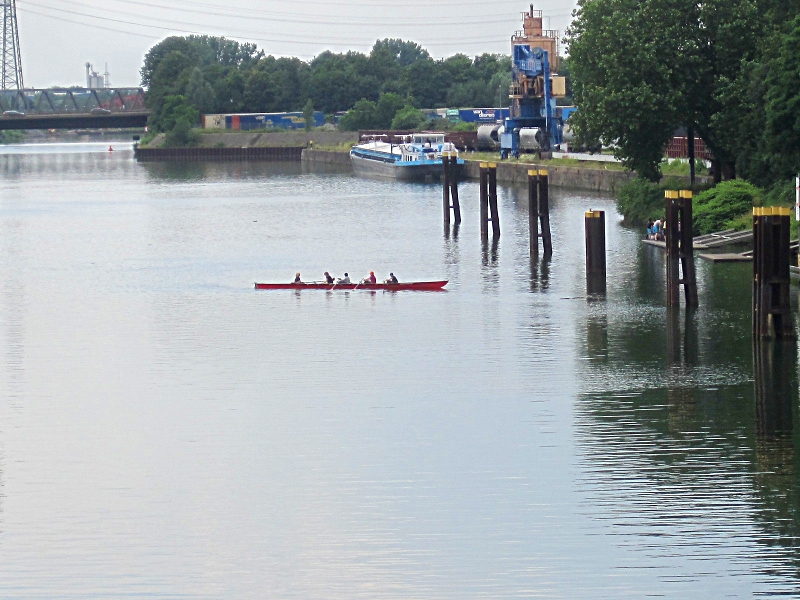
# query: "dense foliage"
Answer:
x=720 y=207
x=217 y=75
x=727 y=69
x=640 y=200
x=727 y=205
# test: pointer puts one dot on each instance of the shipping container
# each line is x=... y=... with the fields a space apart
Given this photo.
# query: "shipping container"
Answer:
x=250 y=121
x=483 y=115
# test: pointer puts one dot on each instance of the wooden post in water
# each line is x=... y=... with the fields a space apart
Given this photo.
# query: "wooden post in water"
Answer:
x=595 y=227
x=484 y=201
x=533 y=211
x=446 y=187
x=453 y=176
x=772 y=317
x=680 y=249
x=495 y=215
x=544 y=213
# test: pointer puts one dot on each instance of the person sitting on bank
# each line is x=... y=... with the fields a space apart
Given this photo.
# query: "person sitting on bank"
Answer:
x=649 y=230
x=392 y=279
x=370 y=279
x=297 y=278
x=345 y=279
x=328 y=278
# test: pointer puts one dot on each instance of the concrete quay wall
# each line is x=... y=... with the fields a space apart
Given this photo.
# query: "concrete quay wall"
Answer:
x=326 y=157
x=577 y=178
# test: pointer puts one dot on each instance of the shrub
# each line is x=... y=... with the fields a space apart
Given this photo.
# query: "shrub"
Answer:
x=182 y=134
x=640 y=200
x=722 y=206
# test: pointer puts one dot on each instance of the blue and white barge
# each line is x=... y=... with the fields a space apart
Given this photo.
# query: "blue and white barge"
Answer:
x=418 y=157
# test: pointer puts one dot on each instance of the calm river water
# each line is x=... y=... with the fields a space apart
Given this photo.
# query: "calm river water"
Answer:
x=167 y=431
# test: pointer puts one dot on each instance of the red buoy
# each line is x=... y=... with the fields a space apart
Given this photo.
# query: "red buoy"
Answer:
x=110 y=149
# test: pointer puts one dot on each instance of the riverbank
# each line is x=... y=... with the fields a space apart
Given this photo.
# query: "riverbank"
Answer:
x=265 y=139
x=332 y=148
x=571 y=177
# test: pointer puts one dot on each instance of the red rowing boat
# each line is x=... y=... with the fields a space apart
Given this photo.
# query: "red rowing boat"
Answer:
x=424 y=286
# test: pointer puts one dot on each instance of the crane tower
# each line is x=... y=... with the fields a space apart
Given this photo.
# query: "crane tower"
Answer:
x=535 y=86
x=12 y=64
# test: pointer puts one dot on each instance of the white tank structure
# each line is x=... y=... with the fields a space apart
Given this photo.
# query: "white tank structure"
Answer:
x=567 y=135
x=489 y=136
x=530 y=139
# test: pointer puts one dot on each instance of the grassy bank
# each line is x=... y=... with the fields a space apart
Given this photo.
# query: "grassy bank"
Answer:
x=532 y=159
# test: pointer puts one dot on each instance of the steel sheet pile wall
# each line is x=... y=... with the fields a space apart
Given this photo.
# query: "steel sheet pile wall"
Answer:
x=270 y=153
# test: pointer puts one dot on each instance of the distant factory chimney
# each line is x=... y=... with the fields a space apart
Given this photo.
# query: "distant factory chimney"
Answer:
x=93 y=79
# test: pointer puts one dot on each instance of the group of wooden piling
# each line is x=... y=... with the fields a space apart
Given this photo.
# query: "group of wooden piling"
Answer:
x=539 y=212
x=772 y=317
x=538 y=202
x=488 y=200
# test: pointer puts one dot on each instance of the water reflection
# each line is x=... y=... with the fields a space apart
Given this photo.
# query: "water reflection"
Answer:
x=682 y=349
x=539 y=274
x=485 y=442
x=597 y=337
x=775 y=377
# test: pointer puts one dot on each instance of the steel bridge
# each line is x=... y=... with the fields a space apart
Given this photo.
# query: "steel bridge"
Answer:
x=72 y=108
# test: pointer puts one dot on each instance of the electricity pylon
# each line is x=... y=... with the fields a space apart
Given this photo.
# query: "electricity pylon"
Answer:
x=12 y=64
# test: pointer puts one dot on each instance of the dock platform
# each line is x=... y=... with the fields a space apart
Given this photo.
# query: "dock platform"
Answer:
x=725 y=257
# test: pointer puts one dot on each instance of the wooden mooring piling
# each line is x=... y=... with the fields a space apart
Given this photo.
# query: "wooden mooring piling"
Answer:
x=488 y=201
x=680 y=253
x=772 y=318
x=539 y=212
x=595 y=228
x=450 y=189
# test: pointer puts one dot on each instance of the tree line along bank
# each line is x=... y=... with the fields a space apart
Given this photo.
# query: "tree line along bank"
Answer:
x=193 y=75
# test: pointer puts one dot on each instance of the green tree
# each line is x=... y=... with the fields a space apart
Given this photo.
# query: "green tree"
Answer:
x=409 y=118
x=386 y=109
x=181 y=134
x=176 y=108
x=308 y=114
x=160 y=51
x=199 y=92
x=782 y=103
x=428 y=83
x=361 y=116
x=405 y=53
x=260 y=89
x=642 y=68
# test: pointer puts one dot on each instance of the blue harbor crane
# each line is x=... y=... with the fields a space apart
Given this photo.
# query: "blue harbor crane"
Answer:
x=534 y=88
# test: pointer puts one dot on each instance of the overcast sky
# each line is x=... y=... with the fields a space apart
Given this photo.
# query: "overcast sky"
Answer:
x=58 y=37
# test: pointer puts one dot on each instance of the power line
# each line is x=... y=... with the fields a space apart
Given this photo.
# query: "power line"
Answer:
x=92 y=25
x=251 y=15
x=181 y=26
x=270 y=19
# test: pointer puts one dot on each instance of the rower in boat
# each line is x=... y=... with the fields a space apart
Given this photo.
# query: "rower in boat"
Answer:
x=297 y=278
x=328 y=278
x=345 y=279
x=392 y=280
x=370 y=279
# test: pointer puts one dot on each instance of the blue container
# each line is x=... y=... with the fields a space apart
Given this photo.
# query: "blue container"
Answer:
x=483 y=115
x=289 y=120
